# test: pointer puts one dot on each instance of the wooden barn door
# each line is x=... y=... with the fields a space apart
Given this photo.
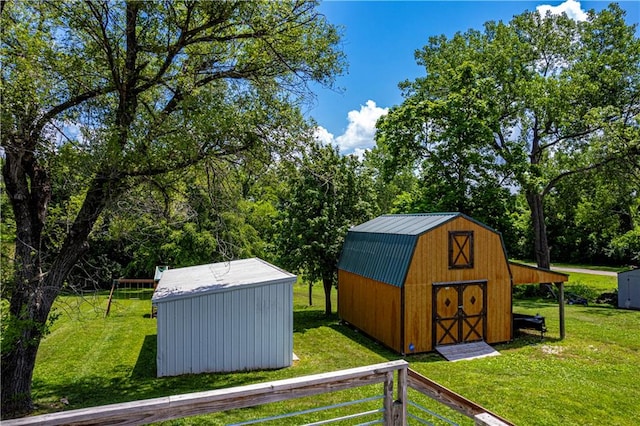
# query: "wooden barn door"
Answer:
x=459 y=312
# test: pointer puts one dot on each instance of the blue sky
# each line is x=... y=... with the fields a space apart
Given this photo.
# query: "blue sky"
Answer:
x=379 y=40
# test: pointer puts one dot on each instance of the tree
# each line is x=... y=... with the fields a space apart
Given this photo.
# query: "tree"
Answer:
x=133 y=90
x=209 y=212
x=531 y=102
x=594 y=217
x=456 y=176
x=328 y=194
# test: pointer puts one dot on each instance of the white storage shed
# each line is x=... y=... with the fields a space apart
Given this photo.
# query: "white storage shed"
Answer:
x=222 y=317
x=629 y=289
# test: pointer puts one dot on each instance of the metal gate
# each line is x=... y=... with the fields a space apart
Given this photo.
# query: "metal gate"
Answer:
x=459 y=312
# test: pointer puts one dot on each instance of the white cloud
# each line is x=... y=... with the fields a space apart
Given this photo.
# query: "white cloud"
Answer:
x=571 y=7
x=361 y=130
x=324 y=136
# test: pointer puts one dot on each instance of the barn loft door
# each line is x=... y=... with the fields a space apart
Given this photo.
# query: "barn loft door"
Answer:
x=460 y=249
x=459 y=312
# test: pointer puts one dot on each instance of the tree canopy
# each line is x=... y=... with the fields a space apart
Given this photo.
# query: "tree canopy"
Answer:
x=521 y=105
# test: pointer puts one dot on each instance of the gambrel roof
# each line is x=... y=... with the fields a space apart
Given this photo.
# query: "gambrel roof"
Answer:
x=382 y=248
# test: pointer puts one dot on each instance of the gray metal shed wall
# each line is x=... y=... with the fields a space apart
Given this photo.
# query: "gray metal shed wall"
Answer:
x=629 y=289
x=243 y=329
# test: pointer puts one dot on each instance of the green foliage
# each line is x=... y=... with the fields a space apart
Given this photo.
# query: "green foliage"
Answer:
x=582 y=290
x=328 y=195
x=627 y=246
x=12 y=326
x=594 y=217
x=517 y=107
x=191 y=218
x=7 y=241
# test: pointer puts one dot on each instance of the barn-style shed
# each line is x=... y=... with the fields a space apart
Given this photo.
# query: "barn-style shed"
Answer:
x=629 y=289
x=228 y=316
x=414 y=282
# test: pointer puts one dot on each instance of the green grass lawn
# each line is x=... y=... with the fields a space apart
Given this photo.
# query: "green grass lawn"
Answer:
x=595 y=283
x=590 y=378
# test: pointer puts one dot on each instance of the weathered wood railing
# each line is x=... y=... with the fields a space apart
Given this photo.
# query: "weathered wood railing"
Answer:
x=435 y=391
x=179 y=406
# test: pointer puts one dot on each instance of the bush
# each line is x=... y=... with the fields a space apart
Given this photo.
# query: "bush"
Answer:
x=608 y=298
x=581 y=290
x=528 y=291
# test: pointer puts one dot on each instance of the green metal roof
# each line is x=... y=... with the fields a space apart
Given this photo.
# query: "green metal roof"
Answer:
x=381 y=249
x=382 y=257
x=405 y=224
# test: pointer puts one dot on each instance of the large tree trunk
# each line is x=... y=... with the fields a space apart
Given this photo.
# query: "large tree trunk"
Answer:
x=29 y=191
x=541 y=244
x=327 y=283
x=37 y=280
x=17 y=372
x=40 y=274
x=18 y=360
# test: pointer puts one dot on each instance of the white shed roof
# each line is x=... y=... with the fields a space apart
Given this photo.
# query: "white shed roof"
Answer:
x=217 y=277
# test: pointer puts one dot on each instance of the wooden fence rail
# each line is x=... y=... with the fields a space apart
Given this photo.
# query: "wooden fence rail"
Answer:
x=179 y=406
x=451 y=399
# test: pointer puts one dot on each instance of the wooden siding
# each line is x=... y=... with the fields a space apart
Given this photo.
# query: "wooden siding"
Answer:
x=371 y=306
x=417 y=318
x=525 y=274
x=430 y=263
x=243 y=329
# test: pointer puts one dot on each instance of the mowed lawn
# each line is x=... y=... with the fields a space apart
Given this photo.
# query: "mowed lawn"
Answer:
x=590 y=378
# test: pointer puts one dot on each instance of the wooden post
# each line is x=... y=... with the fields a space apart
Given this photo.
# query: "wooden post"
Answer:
x=113 y=287
x=388 y=399
x=400 y=405
x=560 y=286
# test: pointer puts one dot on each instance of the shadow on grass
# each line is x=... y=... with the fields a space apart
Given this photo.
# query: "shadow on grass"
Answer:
x=146 y=364
x=610 y=311
x=304 y=320
x=93 y=391
x=140 y=384
x=366 y=341
x=536 y=303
